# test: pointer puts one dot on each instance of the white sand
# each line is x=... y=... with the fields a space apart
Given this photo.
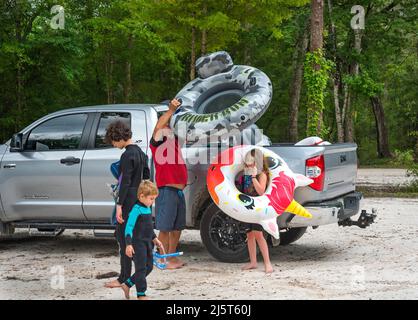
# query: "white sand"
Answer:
x=327 y=263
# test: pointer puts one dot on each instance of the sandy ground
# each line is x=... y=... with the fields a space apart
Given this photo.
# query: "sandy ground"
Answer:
x=330 y=262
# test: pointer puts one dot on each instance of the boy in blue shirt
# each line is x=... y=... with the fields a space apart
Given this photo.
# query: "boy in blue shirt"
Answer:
x=140 y=239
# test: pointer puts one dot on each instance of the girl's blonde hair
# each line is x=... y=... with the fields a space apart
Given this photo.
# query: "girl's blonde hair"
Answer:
x=147 y=188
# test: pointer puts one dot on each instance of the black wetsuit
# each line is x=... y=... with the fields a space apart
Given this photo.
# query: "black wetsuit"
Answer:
x=139 y=233
x=133 y=168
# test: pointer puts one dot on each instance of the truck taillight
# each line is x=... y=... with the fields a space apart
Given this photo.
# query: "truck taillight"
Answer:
x=315 y=169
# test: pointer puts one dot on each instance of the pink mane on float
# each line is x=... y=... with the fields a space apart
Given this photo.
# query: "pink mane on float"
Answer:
x=282 y=192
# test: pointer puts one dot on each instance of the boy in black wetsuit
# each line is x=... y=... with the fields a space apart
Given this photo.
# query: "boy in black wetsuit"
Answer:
x=140 y=239
x=133 y=168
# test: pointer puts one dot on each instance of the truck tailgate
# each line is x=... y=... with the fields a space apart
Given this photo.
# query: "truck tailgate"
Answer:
x=340 y=168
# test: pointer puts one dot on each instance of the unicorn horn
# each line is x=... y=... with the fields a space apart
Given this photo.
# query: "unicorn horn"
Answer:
x=296 y=208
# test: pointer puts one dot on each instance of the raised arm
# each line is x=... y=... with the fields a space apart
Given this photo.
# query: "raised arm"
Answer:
x=165 y=119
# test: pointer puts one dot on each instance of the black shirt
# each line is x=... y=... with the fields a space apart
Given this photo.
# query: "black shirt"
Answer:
x=140 y=226
x=133 y=168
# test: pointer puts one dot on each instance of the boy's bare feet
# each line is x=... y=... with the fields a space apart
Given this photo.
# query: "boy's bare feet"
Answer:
x=249 y=266
x=143 y=298
x=125 y=289
x=268 y=268
x=113 y=284
x=175 y=263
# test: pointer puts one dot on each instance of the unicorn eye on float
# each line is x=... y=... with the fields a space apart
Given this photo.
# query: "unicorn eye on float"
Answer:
x=247 y=201
x=273 y=163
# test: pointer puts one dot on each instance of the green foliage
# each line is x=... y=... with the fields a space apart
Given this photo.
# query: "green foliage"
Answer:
x=364 y=83
x=403 y=158
x=316 y=76
x=86 y=63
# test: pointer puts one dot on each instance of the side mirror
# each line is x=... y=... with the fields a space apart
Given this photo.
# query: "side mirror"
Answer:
x=16 y=144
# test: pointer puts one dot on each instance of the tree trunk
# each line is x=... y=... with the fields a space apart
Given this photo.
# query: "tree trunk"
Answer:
x=382 y=133
x=109 y=78
x=246 y=27
x=203 y=44
x=19 y=80
x=128 y=67
x=316 y=43
x=348 y=121
x=19 y=96
x=336 y=77
x=107 y=81
x=317 y=25
x=338 y=117
x=347 y=110
x=295 y=89
x=193 y=55
x=112 y=95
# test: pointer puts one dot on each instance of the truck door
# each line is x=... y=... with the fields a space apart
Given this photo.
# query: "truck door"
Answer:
x=96 y=177
x=43 y=181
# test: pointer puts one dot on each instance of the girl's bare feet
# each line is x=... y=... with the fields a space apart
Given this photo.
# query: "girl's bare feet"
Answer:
x=268 y=268
x=113 y=284
x=125 y=289
x=249 y=266
x=174 y=265
x=143 y=298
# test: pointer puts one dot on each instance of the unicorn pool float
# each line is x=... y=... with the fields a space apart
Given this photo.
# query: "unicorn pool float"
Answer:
x=264 y=209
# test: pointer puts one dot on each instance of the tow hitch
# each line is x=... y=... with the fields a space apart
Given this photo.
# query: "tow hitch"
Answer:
x=364 y=221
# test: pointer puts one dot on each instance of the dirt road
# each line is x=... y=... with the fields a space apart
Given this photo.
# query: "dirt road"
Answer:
x=331 y=262
x=371 y=177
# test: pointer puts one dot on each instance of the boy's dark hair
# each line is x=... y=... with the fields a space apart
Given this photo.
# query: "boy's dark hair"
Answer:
x=117 y=131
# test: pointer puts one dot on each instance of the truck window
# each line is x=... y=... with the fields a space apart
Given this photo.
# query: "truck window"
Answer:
x=107 y=118
x=60 y=133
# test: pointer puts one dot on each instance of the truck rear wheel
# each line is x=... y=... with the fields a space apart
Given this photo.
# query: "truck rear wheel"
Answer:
x=291 y=235
x=224 y=237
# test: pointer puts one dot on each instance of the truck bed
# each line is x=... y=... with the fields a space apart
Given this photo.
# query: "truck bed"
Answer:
x=340 y=168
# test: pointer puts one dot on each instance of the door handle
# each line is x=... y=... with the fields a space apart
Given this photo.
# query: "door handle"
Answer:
x=70 y=160
x=9 y=166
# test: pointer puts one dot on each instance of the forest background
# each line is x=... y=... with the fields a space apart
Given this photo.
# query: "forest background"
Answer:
x=330 y=79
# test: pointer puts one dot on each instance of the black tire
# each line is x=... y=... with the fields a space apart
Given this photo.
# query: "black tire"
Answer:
x=223 y=237
x=59 y=231
x=291 y=235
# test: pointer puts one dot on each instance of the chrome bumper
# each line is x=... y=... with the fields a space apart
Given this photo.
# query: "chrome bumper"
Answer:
x=320 y=216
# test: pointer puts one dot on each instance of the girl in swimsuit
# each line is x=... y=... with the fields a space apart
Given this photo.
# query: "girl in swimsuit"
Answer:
x=254 y=183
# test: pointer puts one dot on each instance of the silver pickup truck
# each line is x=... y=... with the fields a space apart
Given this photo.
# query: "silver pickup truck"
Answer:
x=55 y=175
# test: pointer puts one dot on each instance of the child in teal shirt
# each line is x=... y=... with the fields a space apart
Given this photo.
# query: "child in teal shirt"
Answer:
x=140 y=239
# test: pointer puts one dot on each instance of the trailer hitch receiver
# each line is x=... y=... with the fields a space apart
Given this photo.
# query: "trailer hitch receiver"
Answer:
x=364 y=221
